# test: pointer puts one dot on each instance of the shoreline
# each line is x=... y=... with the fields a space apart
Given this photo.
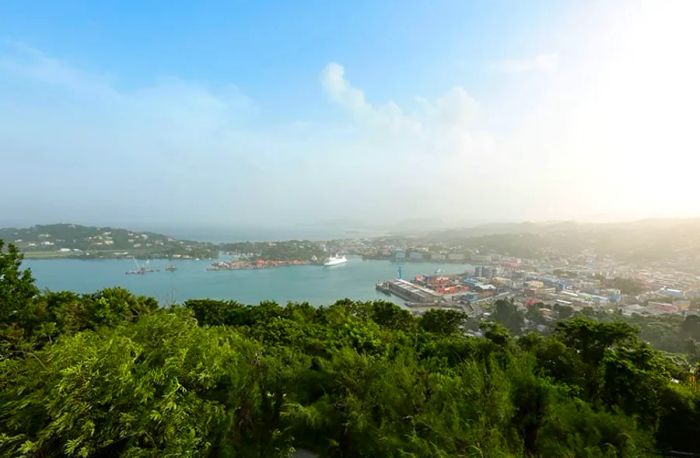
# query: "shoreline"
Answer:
x=258 y=264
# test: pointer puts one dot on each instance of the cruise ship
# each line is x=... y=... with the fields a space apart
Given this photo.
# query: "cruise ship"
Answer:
x=335 y=260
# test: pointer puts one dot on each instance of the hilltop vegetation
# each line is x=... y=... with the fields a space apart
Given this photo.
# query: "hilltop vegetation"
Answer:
x=72 y=240
x=112 y=374
x=88 y=242
x=639 y=241
x=645 y=240
x=288 y=250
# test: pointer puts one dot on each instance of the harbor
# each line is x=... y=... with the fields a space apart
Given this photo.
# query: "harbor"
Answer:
x=408 y=291
x=253 y=280
x=311 y=283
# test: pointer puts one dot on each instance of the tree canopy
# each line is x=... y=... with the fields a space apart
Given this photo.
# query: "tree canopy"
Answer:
x=113 y=374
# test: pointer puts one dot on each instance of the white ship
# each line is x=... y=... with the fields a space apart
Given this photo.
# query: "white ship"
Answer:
x=335 y=260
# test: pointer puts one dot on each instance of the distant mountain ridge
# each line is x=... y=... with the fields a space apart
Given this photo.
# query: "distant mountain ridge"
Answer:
x=642 y=240
x=569 y=225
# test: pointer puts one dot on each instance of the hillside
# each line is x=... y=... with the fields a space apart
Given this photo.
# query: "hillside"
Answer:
x=640 y=241
x=76 y=241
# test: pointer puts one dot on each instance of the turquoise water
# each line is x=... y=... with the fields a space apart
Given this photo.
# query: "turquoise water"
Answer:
x=316 y=284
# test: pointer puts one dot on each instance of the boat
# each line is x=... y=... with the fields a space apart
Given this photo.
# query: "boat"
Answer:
x=382 y=287
x=335 y=260
x=140 y=270
x=171 y=268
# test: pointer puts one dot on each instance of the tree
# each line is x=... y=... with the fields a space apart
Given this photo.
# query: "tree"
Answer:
x=392 y=316
x=679 y=418
x=110 y=374
x=17 y=287
x=535 y=315
x=443 y=321
x=634 y=375
x=690 y=328
x=564 y=311
x=531 y=397
x=506 y=313
x=592 y=338
x=162 y=386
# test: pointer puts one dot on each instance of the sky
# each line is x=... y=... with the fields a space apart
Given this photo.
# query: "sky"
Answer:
x=267 y=113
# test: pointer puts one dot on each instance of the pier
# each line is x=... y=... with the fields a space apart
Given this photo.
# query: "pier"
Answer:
x=409 y=291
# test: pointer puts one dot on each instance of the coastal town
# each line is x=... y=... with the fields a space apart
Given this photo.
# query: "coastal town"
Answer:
x=552 y=286
x=547 y=280
x=547 y=286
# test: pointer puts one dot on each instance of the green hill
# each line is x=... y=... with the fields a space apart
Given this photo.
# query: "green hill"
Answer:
x=72 y=240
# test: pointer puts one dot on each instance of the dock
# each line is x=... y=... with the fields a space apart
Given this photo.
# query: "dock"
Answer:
x=409 y=291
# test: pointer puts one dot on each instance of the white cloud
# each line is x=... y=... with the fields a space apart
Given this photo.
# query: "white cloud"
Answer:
x=388 y=117
x=31 y=63
x=79 y=144
x=445 y=124
x=169 y=115
x=545 y=63
x=611 y=131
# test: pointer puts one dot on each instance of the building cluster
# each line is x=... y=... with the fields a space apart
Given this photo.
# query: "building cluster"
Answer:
x=411 y=254
x=575 y=283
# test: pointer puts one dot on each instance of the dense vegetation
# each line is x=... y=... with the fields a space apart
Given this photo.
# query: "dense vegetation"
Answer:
x=668 y=332
x=74 y=240
x=289 y=250
x=112 y=374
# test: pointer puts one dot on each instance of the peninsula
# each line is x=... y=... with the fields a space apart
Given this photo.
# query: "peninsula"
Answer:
x=90 y=242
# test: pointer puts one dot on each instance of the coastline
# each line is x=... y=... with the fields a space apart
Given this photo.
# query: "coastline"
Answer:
x=256 y=264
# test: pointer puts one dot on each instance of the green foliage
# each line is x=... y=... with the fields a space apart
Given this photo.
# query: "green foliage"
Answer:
x=506 y=313
x=593 y=338
x=101 y=242
x=670 y=332
x=162 y=385
x=445 y=322
x=280 y=251
x=111 y=374
x=680 y=418
x=17 y=293
x=535 y=315
x=625 y=285
x=573 y=428
x=16 y=285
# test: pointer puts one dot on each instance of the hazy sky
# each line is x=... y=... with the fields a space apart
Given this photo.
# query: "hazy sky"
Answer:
x=280 y=113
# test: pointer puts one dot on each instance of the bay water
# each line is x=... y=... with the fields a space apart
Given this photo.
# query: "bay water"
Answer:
x=317 y=285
